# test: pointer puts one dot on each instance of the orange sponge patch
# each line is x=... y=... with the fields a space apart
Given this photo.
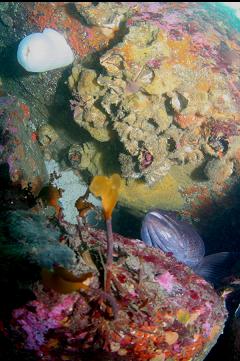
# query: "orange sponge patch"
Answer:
x=63 y=281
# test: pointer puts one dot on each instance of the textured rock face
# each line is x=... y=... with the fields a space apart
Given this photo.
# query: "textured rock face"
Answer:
x=168 y=91
x=45 y=92
x=165 y=81
x=169 y=102
x=18 y=145
x=157 y=309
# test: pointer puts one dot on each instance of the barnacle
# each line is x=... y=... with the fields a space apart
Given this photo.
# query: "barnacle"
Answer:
x=219 y=170
x=47 y=135
x=84 y=157
x=187 y=154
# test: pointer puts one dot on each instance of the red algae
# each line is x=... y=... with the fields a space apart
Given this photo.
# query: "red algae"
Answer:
x=150 y=258
x=26 y=110
x=164 y=311
x=82 y=39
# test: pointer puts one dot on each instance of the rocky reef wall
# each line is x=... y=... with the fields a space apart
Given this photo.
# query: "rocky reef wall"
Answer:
x=155 y=96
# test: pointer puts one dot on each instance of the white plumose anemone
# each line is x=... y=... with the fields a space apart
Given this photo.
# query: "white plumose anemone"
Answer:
x=44 y=51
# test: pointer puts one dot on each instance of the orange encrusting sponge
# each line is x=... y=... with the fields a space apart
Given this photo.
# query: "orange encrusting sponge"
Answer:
x=108 y=189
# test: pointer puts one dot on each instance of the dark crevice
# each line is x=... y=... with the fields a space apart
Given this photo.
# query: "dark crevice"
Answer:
x=168 y=106
x=171 y=144
x=74 y=13
x=92 y=60
x=153 y=123
x=98 y=105
x=198 y=174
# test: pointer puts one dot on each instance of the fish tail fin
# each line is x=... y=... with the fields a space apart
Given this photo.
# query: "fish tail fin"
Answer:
x=215 y=267
x=237 y=312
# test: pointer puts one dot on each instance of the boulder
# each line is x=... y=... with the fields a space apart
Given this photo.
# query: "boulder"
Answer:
x=156 y=309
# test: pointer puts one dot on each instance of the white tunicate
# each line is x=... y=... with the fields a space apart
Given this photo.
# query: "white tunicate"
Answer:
x=73 y=187
x=39 y=52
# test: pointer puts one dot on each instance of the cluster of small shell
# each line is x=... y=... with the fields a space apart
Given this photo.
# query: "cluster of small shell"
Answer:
x=106 y=15
x=165 y=106
x=84 y=157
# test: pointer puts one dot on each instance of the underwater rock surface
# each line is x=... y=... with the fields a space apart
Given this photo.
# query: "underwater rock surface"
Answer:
x=45 y=92
x=19 y=149
x=168 y=92
x=157 y=309
x=156 y=87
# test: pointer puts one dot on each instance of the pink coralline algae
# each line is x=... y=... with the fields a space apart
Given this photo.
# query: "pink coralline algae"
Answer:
x=224 y=129
x=154 y=63
x=38 y=319
x=166 y=280
x=164 y=311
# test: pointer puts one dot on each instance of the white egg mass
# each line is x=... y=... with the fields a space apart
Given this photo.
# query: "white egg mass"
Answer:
x=39 y=52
